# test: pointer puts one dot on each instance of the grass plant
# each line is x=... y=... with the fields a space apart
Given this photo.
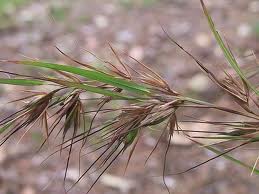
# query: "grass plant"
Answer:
x=145 y=100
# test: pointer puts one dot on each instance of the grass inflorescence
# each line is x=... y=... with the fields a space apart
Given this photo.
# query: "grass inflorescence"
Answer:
x=148 y=101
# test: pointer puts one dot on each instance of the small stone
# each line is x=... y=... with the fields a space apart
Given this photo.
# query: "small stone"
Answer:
x=33 y=12
x=199 y=83
x=122 y=184
x=101 y=21
x=26 y=16
x=244 y=30
x=150 y=141
x=180 y=28
x=43 y=180
x=28 y=190
x=125 y=36
x=137 y=52
x=202 y=40
x=217 y=51
x=72 y=174
x=253 y=6
x=37 y=160
x=180 y=140
x=221 y=165
x=170 y=182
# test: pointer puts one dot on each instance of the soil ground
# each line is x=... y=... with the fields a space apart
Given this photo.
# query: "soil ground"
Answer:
x=32 y=29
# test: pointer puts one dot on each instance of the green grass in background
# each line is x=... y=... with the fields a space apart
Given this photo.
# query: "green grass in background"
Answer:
x=8 y=9
x=59 y=12
x=6 y=5
x=139 y=3
x=256 y=29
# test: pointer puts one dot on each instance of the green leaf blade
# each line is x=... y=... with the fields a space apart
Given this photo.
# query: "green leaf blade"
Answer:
x=226 y=51
x=91 y=75
x=21 y=82
x=115 y=95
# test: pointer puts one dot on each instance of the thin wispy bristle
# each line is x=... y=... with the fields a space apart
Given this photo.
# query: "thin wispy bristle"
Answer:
x=98 y=126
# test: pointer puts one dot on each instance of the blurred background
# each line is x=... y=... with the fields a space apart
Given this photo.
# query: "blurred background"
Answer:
x=31 y=28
